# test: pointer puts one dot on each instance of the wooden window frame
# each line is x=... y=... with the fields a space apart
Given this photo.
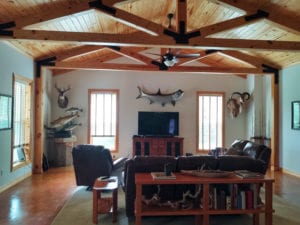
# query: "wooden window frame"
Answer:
x=200 y=93
x=115 y=91
x=27 y=147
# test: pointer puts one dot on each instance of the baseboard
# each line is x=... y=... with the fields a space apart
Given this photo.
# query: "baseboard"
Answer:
x=290 y=172
x=7 y=186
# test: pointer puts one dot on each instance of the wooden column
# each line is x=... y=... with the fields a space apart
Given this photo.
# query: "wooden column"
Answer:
x=39 y=129
x=275 y=123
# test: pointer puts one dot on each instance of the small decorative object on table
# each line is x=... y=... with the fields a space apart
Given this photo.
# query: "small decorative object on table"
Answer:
x=247 y=174
x=206 y=173
x=162 y=176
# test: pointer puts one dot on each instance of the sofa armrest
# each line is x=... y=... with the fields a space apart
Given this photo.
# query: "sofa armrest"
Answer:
x=119 y=163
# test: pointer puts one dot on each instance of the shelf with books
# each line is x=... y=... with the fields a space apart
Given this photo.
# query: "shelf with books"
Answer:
x=234 y=196
x=239 y=196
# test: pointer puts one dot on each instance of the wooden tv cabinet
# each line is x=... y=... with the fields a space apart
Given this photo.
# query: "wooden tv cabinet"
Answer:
x=150 y=146
x=205 y=211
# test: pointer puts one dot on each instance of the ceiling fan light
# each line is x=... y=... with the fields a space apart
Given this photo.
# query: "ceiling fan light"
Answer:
x=170 y=63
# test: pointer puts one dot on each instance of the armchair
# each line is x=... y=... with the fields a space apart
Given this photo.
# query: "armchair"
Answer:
x=92 y=161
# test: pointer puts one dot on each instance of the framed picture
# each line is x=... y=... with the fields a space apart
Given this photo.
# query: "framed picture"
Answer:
x=5 y=111
x=296 y=115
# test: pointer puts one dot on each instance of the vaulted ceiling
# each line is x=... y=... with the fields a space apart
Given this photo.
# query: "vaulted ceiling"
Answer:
x=210 y=36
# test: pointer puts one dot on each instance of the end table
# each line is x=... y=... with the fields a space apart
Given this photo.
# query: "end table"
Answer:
x=105 y=204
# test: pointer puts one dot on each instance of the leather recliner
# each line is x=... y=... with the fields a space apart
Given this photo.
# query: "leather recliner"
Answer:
x=93 y=161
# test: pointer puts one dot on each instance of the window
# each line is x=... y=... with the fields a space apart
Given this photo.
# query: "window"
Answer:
x=21 y=137
x=210 y=120
x=103 y=118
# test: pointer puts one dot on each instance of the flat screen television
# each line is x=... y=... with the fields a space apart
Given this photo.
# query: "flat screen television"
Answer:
x=158 y=123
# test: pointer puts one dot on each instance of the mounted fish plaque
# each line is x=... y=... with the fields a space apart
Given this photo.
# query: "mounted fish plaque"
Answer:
x=160 y=98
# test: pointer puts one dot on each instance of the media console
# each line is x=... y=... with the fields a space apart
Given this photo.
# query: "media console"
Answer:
x=150 y=146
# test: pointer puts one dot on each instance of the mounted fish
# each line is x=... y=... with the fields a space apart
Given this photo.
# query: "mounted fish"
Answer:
x=160 y=98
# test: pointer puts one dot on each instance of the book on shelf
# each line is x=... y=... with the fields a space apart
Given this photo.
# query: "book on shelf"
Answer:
x=248 y=174
x=162 y=176
x=233 y=196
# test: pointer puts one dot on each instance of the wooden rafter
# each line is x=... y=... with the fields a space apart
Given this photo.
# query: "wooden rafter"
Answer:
x=285 y=21
x=230 y=24
x=78 y=51
x=187 y=69
x=255 y=61
x=132 y=20
x=73 y=8
x=181 y=11
x=132 y=54
x=152 y=41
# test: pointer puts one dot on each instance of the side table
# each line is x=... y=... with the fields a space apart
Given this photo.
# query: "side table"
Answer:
x=103 y=205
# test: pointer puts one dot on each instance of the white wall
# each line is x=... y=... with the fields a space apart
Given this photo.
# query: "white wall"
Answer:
x=127 y=82
x=289 y=139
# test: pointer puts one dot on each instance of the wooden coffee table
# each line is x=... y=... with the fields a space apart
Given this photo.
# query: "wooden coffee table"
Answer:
x=103 y=205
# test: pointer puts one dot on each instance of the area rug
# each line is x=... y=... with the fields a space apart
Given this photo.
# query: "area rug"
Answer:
x=78 y=211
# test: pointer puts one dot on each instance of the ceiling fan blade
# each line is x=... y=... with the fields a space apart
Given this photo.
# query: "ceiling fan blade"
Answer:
x=195 y=55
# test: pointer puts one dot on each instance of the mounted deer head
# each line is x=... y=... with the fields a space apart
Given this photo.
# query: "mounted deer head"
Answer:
x=236 y=101
x=62 y=98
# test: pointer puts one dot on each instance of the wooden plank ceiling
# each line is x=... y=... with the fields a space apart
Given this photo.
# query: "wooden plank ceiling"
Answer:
x=217 y=36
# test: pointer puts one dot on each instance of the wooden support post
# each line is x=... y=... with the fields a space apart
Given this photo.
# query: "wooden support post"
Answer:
x=39 y=129
x=275 y=123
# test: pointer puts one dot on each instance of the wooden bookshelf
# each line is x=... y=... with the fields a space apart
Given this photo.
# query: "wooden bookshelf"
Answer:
x=205 y=210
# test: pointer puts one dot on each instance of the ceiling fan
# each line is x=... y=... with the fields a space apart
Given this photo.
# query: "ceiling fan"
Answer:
x=169 y=59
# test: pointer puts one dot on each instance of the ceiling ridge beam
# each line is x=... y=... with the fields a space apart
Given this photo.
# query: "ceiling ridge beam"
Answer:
x=151 y=41
x=181 y=35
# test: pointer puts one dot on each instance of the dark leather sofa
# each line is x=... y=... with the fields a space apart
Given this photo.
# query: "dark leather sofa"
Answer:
x=241 y=155
x=93 y=161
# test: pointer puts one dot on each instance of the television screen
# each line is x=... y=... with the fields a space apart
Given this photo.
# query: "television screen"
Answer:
x=158 y=123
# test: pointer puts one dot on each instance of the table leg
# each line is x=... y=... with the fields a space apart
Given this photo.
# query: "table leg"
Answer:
x=95 y=206
x=138 y=205
x=197 y=220
x=256 y=219
x=269 y=203
x=205 y=219
x=115 y=204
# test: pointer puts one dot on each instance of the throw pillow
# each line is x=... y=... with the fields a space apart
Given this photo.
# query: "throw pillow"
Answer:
x=233 y=151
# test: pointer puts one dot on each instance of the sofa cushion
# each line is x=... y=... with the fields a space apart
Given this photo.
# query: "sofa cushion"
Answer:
x=233 y=151
x=196 y=162
x=231 y=163
x=253 y=149
x=145 y=164
x=239 y=144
